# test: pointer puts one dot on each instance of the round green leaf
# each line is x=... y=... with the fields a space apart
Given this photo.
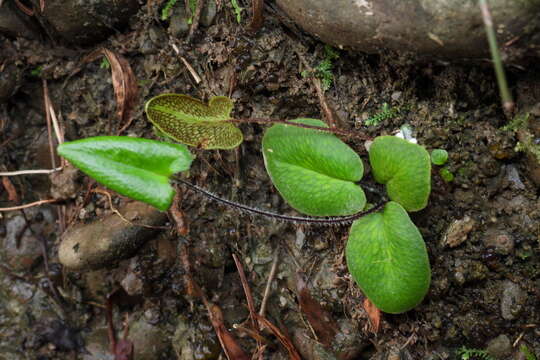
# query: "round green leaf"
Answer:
x=439 y=156
x=192 y=122
x=387 y=257
x=313 y=171
x=405 y=168
x=137 y=168
x=446 y=175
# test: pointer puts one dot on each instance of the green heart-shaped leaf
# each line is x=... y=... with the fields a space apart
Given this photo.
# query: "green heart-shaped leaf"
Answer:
x=192 y=122
x=137 y=168
x=313 y=171
x=387 y=257
x=405 y=168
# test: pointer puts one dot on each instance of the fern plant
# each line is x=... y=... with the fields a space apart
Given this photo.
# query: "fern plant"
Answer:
x=386 y=113
x=314 y=171
x=474 y=354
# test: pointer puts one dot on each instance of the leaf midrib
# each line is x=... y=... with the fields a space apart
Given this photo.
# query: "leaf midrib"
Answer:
x=120 y=164
x=186 y=117
x=312 y=170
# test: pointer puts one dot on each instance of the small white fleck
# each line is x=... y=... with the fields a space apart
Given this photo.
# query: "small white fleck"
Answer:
x=269 y=150
x=368 y=144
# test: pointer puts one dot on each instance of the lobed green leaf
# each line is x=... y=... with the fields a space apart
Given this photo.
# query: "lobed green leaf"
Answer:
x=405 y=168
x=134 y=167
x=387 y=257
x=192 y=122
x=315 y=172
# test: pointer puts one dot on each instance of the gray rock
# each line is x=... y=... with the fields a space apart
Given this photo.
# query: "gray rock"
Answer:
x=20 y=248
x=63 y=185
x=151 y=342
x=208 y=13
x=500 y=240
x=349 y=342
x=178 y=25
x=512 y=300
x=500 y=347
x=195 y=340
x=10 y=80
x=300 y=238
x=21 y=252
x=14 y=23
x=107 y=240
x=97 y=345
x=98 y=284
x=438 y=28
x=132 y=284
x=86 y=22
x=513 y=177
x=309 y=348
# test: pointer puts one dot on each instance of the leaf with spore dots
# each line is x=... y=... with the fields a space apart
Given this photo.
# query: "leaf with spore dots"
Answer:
x=192 y=122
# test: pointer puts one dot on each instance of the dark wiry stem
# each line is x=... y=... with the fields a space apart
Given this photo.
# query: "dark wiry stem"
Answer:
x=334 y=131
x=335 y=220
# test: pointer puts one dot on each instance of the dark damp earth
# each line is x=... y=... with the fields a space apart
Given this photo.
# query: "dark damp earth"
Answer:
x=481 y=229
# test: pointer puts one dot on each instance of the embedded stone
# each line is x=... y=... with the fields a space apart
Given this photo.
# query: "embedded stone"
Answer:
x=437 y=28
x=107 y=240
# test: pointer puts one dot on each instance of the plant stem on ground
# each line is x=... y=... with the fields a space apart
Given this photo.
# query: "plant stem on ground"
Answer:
x=506 y=97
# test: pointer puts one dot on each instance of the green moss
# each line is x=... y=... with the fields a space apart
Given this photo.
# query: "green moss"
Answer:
x=518 y=122
x=527 y=352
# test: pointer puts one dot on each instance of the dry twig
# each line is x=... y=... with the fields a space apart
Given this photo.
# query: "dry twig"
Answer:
x=247 y=292
x=30 y=172
x=26 y=206
x=25 y=9
x=10 y=188
x=257 y=17
x=52 y=121
x=268 y=287
x=188 y=66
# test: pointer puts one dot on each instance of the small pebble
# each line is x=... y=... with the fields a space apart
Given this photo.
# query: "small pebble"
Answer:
x=512 y=301
x=501 y=241
x=500 y=347
x=512 y=176
x=458 y=231
x=208 y=13
x=105 y=241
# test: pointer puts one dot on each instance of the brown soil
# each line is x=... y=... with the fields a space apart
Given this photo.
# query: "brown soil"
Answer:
x=454 y=107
